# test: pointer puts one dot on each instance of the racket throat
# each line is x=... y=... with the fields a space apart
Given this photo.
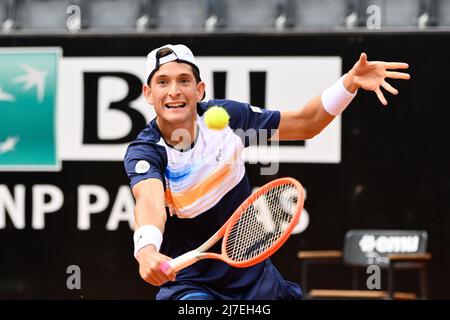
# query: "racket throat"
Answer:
x=185 y=260
x=191 y=257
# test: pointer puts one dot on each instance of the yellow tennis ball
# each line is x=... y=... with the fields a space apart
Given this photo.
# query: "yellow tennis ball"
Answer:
x=216 y=118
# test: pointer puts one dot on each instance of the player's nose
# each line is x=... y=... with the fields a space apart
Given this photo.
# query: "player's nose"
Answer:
x=174 y=89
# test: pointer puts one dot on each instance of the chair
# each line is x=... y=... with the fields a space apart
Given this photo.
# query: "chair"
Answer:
x=180 y=15
x=442 y=7
x=321 y=13
x=250 y=15
x=113 y=14
x=9 y=10
x=391 y=250
x=34 y=15
x=3 y=15
x=428 y=14
x=398 y=13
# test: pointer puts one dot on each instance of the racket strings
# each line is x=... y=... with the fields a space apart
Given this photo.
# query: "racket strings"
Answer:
x=262 y=223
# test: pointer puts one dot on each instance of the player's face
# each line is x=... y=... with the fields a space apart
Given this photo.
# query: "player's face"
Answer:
x=174 y=93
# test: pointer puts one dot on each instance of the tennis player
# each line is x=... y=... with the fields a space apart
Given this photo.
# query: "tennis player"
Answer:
x=188 y=179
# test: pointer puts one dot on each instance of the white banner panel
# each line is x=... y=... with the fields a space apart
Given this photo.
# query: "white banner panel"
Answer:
x=291 y=82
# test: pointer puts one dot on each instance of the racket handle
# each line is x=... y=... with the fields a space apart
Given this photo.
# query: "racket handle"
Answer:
x=181 y=262
x=164 y=266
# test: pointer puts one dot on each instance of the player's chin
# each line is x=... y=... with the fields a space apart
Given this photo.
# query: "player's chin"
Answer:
x=179 y=118
x=178 y=115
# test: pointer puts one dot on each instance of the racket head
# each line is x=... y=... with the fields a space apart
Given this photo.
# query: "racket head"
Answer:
x=262 y=223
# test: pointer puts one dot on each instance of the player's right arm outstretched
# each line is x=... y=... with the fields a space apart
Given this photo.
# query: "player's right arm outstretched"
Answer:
x=150 y=214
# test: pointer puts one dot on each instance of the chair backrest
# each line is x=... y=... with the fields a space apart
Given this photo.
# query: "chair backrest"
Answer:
x=249 y=14
x=113 y=14
x=42 y=14
x=2 y=10
x=394 y=13
x=443 y=9
x=320 y=13
x=367 y=247
x=181 y=15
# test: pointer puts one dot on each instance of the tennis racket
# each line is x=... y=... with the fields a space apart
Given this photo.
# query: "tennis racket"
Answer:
x=257 y=229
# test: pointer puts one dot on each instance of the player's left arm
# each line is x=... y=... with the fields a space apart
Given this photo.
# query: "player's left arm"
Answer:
x=313 y=117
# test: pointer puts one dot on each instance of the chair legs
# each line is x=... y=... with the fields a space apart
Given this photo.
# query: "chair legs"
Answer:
x=304 y=277
x=423 y=283
x=391 y=281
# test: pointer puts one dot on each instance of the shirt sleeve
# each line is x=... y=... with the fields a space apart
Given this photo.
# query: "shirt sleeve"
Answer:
x=253 y=124
x=143 y=161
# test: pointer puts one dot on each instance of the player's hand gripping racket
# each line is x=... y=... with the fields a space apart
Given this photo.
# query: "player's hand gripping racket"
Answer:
x=258 y=228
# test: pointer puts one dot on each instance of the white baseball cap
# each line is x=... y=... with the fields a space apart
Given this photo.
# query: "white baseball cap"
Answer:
x=179 y=53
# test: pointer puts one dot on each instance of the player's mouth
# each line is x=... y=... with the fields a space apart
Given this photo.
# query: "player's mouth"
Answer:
x=175 y=105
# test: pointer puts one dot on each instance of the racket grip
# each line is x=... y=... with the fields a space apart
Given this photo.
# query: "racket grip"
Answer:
x=181 y=262
x=164 y=266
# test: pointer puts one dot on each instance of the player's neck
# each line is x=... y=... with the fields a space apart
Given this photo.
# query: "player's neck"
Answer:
x=179 y=136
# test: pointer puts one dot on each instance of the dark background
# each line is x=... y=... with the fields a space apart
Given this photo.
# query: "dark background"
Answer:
x=394 y=173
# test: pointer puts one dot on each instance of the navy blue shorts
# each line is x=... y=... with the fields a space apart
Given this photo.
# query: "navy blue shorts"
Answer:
x=270 y=286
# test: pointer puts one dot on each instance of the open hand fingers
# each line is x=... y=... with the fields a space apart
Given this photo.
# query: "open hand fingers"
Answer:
x=380 y=96
x=389 y=88
x=396 y=65
x=363 y=57
x=397 y=75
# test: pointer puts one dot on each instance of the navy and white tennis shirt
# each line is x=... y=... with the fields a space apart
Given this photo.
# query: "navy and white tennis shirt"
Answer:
x=203 y=186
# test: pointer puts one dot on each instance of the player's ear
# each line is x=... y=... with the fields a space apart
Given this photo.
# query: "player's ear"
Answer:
x=200 y=91
x=148 y=94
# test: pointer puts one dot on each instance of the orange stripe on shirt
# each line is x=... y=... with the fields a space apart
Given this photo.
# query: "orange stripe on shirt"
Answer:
x=188 y=197
x=210 y=201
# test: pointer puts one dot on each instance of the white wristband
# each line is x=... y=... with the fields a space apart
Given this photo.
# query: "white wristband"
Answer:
x=146 y=235
x=336 y=98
